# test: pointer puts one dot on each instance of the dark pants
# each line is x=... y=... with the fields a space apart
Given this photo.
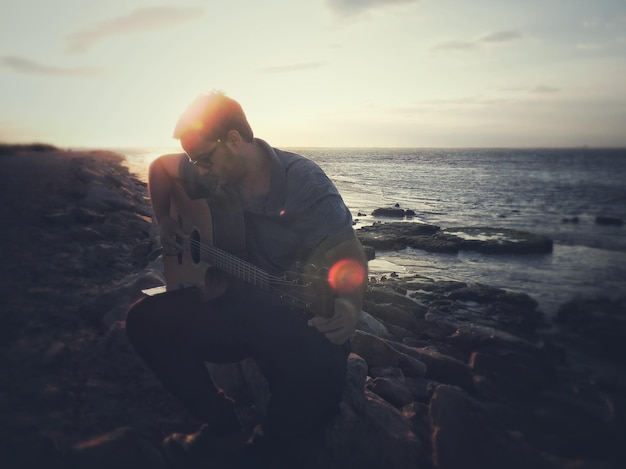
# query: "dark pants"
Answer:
x=176 y=332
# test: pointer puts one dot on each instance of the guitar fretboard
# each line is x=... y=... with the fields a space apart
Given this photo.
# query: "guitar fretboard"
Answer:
x=232 y=265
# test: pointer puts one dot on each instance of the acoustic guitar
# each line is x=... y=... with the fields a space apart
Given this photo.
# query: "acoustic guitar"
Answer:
x=206 y=249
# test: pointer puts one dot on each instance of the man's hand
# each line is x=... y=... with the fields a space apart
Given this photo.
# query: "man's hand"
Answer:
x=171 y=235
x=339 y=327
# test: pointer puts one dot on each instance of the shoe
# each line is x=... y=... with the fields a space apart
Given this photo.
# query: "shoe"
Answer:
x=207 y=444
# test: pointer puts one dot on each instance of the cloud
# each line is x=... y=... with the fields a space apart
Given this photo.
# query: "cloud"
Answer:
x=455 y=45
x=22 y=65
x=544 y=89
x=497 y=37
x=589 y=47
x=138 y=21
x=354 y=7
x=292 y=67
x=501 y=36
x=541 y=89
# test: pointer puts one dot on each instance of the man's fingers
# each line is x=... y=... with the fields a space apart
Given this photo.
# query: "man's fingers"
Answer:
x=338 y=336
x=325 y=324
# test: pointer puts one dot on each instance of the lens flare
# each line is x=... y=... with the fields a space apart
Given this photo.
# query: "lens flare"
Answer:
x=346 y=276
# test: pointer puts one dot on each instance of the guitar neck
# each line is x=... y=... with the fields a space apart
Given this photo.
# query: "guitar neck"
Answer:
x=313 y=295
x=232 y=265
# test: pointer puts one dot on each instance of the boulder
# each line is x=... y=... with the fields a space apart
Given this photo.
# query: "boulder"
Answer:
x=368 y=433
x=601 y=322
x=439 y=367
x=514 y=377
x=371 y=325
x=430 y=238
x=105 y=199
x=489 y=306
x=391 y=390
x=387 y=295
x=390 y=314
x=607 y=220
x=122 y=448
x=393 y=212
x=490 y=240
x=465 y=435
x=380 y=353
x=393 y=235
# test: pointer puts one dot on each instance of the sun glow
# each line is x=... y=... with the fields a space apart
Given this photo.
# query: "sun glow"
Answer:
x=346 y=275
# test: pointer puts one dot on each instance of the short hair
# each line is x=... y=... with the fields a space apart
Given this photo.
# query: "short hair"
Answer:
x=211 y=116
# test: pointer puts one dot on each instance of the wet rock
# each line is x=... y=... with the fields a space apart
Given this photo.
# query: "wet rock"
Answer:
x=380 y=353
x=430 y=238
x=391 y=390
x=372 y=436
x=386 y=295
x=607 y=220
x=439 y=367
x=465 y=435
x=601 y=322
x=433 y=287
x=573 y=428
x=489 y=306
x=473 y=337
x=122 y=448
x=371 y=325
x=390 y=314
x=113 y=305
x=102 y=198
x=370 y=252
x=393 y=235
x=514 y=377
x=393 y=212
x=489 y=240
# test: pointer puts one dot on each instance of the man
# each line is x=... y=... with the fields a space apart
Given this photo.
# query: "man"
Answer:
x=293 y=217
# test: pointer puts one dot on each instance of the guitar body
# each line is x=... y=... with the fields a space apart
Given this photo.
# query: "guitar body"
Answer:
x=214 y=252
x=199 y=221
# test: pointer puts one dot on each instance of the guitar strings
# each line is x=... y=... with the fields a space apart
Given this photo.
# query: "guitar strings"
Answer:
x=240 y=268
x=249 y=272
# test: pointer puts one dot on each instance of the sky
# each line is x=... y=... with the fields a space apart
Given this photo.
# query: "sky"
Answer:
x=322 y=73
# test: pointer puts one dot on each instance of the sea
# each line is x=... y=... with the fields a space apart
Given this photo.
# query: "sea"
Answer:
x=553 y=192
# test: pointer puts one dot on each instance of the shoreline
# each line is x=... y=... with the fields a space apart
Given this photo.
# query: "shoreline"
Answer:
x=571 y=271
x=80 y=246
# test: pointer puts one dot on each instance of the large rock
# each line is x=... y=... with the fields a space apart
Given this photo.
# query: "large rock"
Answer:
x=381 y=353
x=394 y=315
x=399 y=235
x=371 y=325
x=514 y=375
x=383 y=295
x=600 y=322
x=391 y=390
x=497 y=240
x=443 y=368
x=113 y=305
x=393 y=212
x=369 y=433
x=608 y=220
x=488 y=306
x=121 y=449
x=395 y=235
x=466 y=436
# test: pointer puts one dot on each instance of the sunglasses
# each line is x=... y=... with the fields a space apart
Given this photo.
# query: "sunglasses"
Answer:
x=205 y=159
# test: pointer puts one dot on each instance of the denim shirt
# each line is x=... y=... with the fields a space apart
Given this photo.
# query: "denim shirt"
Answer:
x=302 y=211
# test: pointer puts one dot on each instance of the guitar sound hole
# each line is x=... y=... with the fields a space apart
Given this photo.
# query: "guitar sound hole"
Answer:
x=194 y=246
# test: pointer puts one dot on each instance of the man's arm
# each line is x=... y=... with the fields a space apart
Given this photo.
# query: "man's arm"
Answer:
x=163 y=173
x=349 y=279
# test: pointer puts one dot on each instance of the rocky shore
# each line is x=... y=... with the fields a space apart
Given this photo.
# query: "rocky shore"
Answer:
x=443 y=375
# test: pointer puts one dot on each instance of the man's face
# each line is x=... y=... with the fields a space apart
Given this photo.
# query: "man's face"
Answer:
x=216 y=159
